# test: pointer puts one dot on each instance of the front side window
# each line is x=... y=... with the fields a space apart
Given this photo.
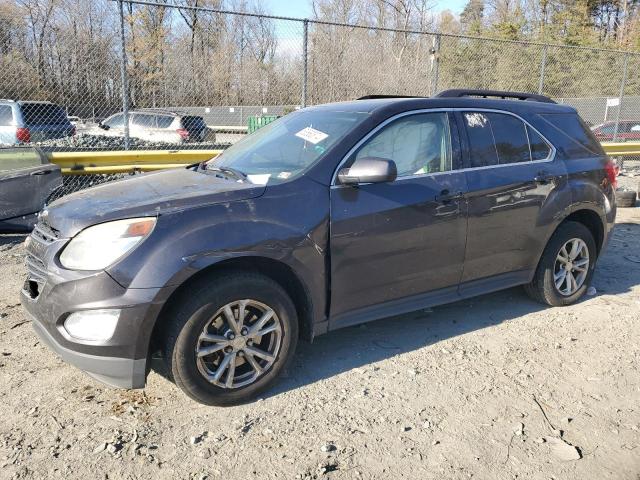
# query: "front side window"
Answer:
x=497 y=139
x=418 y=144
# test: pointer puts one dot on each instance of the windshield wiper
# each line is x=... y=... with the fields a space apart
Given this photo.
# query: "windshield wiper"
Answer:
x=229 y=171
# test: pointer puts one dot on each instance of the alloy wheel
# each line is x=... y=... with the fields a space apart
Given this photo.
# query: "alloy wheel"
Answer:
x=239 y=344
x=571 y=267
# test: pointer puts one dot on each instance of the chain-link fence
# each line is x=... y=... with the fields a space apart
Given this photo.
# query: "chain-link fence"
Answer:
x=142 y=74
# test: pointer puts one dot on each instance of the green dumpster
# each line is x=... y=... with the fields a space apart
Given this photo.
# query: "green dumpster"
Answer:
x=258 y=121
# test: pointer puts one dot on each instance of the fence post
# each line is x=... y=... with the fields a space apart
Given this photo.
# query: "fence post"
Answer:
x=305 y=69
x=622 y=85
x=124 y=77
x=435 y=63
x=543 y=65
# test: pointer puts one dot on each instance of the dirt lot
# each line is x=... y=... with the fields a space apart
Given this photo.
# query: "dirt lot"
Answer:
x=496 y=387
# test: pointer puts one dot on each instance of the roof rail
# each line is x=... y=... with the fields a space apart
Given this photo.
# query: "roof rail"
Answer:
x=373 y=97
x=462 y=92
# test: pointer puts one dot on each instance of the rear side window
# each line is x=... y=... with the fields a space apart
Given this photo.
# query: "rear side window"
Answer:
x=164 y=121
x=540 y=150
x=144 y=120
x=577 y=139
x=6 y=115
x=502 y=139
x=43 y=114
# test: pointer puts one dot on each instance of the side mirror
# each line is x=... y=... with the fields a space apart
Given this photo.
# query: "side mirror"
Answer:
x=103 y=126
x=369 y=170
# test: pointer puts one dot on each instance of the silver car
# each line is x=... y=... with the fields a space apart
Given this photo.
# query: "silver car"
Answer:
x=32 y=121
x=154 y=125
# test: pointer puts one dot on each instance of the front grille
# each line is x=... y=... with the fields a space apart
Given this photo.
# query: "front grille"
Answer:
x=44 y=233
x=41 y=237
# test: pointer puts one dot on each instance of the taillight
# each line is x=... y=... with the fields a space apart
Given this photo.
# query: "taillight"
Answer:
x=612 y=173
x=183 y=133
x=73 y=130
x=23 y=135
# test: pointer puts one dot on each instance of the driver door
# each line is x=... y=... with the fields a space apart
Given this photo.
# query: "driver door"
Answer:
x=393 y=243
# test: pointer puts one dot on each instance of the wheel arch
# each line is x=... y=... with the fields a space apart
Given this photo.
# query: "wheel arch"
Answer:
x=590 y=219
x=276 y=270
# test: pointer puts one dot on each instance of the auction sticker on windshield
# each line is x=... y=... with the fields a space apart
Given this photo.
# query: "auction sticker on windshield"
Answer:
x=311 y=135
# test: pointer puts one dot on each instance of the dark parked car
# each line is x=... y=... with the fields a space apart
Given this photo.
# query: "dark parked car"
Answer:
x=27 y=180
x=32 y=121
x=331 y=216
x=628 y=131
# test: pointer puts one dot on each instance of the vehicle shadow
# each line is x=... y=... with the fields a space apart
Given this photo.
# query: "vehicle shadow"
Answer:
x=346 y=349
x=10 y=239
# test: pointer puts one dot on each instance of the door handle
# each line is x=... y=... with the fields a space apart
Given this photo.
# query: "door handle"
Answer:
x=447 y=197
x=41 y=172
x=543 y=178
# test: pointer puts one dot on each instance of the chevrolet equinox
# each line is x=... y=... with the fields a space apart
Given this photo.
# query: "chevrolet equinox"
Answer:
x=331 y=216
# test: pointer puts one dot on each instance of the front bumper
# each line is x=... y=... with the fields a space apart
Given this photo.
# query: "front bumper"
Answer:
x=120 y=361
x=113 y=371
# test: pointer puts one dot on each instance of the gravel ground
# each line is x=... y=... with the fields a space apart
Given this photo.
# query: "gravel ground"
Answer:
x=497 y=387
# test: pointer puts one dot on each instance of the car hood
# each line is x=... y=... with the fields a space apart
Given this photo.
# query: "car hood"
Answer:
x=144 y=195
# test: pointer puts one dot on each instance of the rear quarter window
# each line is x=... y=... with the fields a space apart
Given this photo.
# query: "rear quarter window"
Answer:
x=164 y=121
x=576 y=139
x=6 y=115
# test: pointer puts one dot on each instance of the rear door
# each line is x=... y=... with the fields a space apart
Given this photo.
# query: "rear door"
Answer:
x=511 y=173
x=396 y=240
x=26 y=181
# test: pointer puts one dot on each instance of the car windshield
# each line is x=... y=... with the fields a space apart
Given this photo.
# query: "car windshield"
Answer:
x=287 y=147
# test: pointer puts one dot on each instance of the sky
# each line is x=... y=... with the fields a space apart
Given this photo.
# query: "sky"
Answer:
x=302 y=8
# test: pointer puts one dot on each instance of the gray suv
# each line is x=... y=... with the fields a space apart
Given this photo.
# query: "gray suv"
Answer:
x=328 y=217
x=31 y=121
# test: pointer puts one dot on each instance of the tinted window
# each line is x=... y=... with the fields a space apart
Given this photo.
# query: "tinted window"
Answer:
x=43 y=114
x=481 y=140
x=540 y=150
x=193 y=123
x=164 y=121
x=418 y=144
x=578 y=139
x=6 y=115
x=512 y=142
x=144 y=120
x=115 y=121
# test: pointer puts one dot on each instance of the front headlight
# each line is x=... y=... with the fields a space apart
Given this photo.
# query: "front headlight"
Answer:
x=97 y=247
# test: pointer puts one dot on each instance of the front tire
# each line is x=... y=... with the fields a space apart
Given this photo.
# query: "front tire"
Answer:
x=230 y=339
x=566 y=267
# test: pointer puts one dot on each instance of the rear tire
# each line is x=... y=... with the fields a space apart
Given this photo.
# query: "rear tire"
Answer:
x=544 y=286
x=200 y=324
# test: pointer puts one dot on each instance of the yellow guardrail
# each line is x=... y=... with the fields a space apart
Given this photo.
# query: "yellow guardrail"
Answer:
x=85 y=163
x=621 y=148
